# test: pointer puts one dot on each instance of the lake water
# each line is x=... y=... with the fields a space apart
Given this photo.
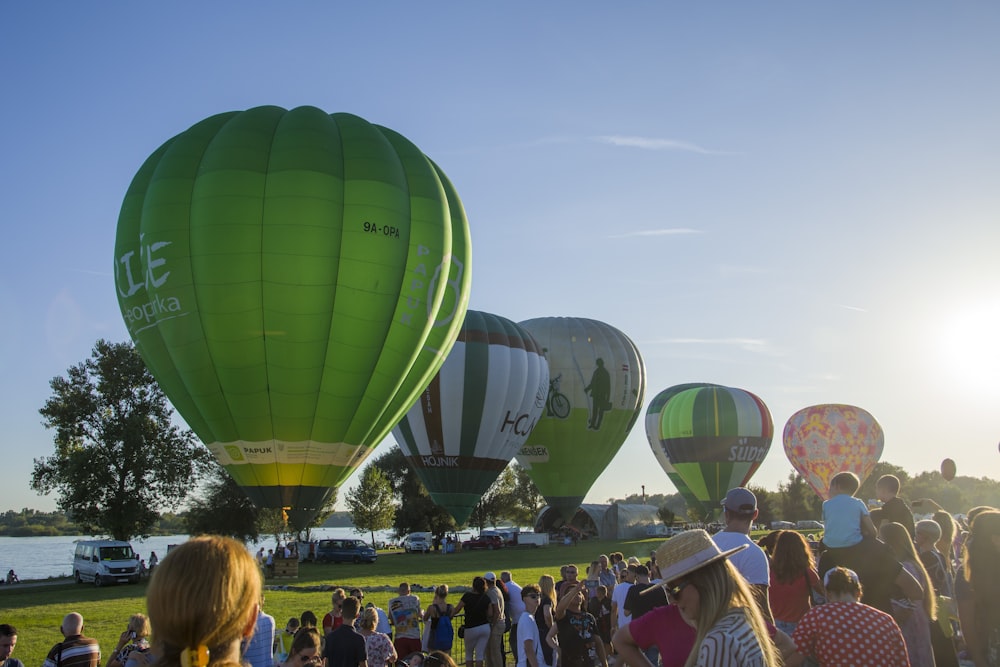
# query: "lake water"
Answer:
x=44 y=557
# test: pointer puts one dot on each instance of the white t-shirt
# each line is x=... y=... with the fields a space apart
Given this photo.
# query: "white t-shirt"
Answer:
x=527 y=629
x=618 y=598
x=751 y=562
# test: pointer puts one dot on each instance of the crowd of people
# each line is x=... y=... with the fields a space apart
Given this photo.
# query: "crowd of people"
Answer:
x=884 y=591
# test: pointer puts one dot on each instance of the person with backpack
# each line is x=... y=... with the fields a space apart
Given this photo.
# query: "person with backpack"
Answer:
x=441 y=634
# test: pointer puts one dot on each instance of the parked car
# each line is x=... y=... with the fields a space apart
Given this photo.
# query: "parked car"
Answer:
x=417 y=543
x=344 y=551
x=489 y=542
x=809 y=525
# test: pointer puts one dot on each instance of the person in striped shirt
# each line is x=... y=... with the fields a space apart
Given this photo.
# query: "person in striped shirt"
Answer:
x=75 y=650
x=714 y=598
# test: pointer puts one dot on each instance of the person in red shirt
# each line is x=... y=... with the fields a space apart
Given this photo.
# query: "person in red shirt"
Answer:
x=793 y=580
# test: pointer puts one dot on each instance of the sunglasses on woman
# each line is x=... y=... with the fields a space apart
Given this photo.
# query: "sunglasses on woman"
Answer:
x=675 y=591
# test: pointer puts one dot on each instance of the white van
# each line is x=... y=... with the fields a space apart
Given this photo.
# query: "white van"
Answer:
x=105 y=562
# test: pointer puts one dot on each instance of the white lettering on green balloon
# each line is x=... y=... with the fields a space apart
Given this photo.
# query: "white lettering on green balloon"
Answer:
x=143 y=316
x=747 y=454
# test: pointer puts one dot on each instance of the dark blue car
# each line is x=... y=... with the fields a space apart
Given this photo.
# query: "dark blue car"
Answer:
x=344 y=551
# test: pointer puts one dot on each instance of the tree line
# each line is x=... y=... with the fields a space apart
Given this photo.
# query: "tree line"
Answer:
x=122 y=468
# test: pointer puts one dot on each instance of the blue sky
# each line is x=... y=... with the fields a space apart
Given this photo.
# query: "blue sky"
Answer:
x=798 y=199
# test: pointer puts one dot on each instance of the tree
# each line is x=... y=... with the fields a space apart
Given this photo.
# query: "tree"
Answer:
x=666 y=515
x=370 y=502
x=528 y=501
x=118 y=459
x=798 y=500
x=768 y=505
x=415 y=511
x=224 y=509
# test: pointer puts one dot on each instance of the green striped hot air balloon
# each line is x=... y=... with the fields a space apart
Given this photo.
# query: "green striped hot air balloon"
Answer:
x=596 y=386
x=293 y=279
x=716 y=438
x=653 y=412
x=476 y=412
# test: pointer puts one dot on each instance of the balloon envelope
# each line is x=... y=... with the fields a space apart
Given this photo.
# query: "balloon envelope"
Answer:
x=823 y=440
x=293 y=280
x=948 y=469
x=716 y=437
x=653 y=413
x=476 y=413
x=596 y=385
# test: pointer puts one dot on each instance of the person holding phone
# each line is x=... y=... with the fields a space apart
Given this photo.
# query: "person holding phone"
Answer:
x=135 y=638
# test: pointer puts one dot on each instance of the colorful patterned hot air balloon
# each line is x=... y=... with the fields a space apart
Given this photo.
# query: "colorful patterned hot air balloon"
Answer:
x=476 y=413
x=948 y=469
x=293 y=280
x=653 y=412
x=823 y=440
x=716 y=438
x=596 y=385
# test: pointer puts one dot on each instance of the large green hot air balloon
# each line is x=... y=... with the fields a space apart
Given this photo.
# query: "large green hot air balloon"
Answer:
x=596 y=386
x=659 y=448
x=716 y=438
x=293 y=279
x=476 y=412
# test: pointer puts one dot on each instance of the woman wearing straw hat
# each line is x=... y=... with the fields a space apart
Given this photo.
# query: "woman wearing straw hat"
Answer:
x=714 y=598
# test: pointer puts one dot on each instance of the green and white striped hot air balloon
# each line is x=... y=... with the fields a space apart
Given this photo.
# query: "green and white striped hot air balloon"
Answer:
x=476 y=412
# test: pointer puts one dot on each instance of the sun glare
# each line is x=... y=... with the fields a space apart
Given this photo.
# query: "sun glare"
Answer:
x=970 y=344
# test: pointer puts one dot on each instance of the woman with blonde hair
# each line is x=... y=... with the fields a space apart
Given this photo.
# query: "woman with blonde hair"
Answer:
x=714 y=598
x=378 y=646
x=335 y=617
x=439 y=611
x=914 y=619
x=543 y=614
x=977 y=588
x=135 y=638
x=203 y=601
x=305 y=650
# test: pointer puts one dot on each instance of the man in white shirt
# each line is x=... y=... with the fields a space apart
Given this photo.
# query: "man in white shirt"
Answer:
x=516 y=605
x=618 y=595
x=528 y=647
x=739 y=511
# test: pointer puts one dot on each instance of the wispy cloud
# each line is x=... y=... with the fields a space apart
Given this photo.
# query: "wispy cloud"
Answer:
x=653 y=144
x=854 y=308
x=739 y=342
x=669 y=231
x=756 y=345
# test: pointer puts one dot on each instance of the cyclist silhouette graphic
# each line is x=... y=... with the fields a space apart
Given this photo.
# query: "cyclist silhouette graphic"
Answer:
x=600 y=395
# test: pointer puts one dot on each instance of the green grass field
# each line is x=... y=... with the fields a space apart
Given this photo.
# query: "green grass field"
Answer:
x=37 y=611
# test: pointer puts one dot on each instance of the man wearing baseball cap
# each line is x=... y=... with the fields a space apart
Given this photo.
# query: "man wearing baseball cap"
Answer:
x=739 y=511
x=494 y=647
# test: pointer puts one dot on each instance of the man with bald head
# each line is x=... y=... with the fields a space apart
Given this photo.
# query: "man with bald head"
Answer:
x=76 y=650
